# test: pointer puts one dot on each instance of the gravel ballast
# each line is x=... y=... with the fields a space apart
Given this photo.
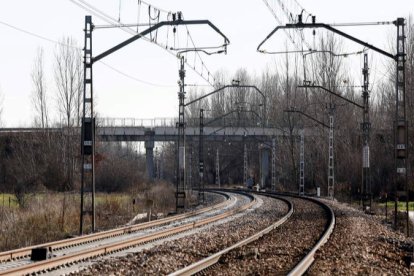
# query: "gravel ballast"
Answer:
x=174 y=255
x=279 y=251
x=361 y=245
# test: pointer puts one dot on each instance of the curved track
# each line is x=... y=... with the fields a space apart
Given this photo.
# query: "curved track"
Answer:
x=86 y=247
x=213 y=259
x=210 y=264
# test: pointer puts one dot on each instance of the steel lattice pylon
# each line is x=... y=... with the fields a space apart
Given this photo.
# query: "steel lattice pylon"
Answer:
x=366 y=126
x=190 y=167
x=302 y=164
x=331 y=172
x=88 y=135
x=274 y=164
x=201 y=157
x=401 y=133
x=180 y=188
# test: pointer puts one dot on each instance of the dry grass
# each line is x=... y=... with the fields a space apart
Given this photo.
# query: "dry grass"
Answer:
x=159 y=196
x=40 y=222
x=54 y=216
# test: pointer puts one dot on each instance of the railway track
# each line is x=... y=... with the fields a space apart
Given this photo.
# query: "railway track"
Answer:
x=56 y=245
x=211 y=266
x=173 y=255
x=90 y=246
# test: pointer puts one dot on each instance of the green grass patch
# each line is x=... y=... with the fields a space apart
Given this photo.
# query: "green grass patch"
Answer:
x=102 y=198
x=8 y=200
x=401 y=205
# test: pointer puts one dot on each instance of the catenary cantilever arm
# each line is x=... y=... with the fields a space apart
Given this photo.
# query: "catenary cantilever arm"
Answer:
x=330 y=28
x=157 y=26
x=206 y=95
x=333 y=93
x=224 y=87
x=307 y=116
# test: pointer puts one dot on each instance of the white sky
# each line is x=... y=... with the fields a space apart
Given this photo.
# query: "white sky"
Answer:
x=245 y=23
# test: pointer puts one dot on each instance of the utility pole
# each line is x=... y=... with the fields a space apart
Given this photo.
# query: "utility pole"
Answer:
x=190 y=168
x=180 y=188
x=400 y=125
x=87 y=134
x=201 y=157
x=331 y=172
x=302 y=164
x=366 y=126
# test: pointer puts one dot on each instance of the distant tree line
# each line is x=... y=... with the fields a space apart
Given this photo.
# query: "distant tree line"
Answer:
x=282 y=93
x=51 y=160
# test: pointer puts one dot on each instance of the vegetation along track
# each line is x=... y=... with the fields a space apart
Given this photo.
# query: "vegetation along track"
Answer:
x=288 y=250
x=89 y=250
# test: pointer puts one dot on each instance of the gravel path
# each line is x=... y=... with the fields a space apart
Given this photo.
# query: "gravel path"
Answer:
x=279 y=251
x=173 y=255
x=361 y=245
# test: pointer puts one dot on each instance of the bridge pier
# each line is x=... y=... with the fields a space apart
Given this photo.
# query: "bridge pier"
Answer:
x=149 y=153
x=264 y=165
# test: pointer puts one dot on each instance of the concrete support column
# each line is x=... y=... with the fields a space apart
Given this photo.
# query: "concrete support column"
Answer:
x=264 y=165
x=149 y=153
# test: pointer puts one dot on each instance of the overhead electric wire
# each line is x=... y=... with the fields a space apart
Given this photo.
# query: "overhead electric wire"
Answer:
x=198 y=54
x=134 y=78
x=121 y=25
x=280 y=23
x=78 y=48
x=290 y=18
x=109 y=19
x=354 y=24
x=31 y=33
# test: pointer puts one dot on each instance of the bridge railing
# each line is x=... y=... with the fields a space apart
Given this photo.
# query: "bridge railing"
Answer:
x=168 y=122
x=134 y=122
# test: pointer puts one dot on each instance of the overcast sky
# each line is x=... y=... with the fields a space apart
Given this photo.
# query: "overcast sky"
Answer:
x=245 y=23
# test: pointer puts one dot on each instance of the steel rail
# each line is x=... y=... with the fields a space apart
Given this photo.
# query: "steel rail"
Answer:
x=213 y=259
x=50 y=264
x=56 y=245
x=308 y=260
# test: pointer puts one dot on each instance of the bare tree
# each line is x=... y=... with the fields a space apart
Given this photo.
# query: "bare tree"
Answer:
x=68 y=78
x=39 y=97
